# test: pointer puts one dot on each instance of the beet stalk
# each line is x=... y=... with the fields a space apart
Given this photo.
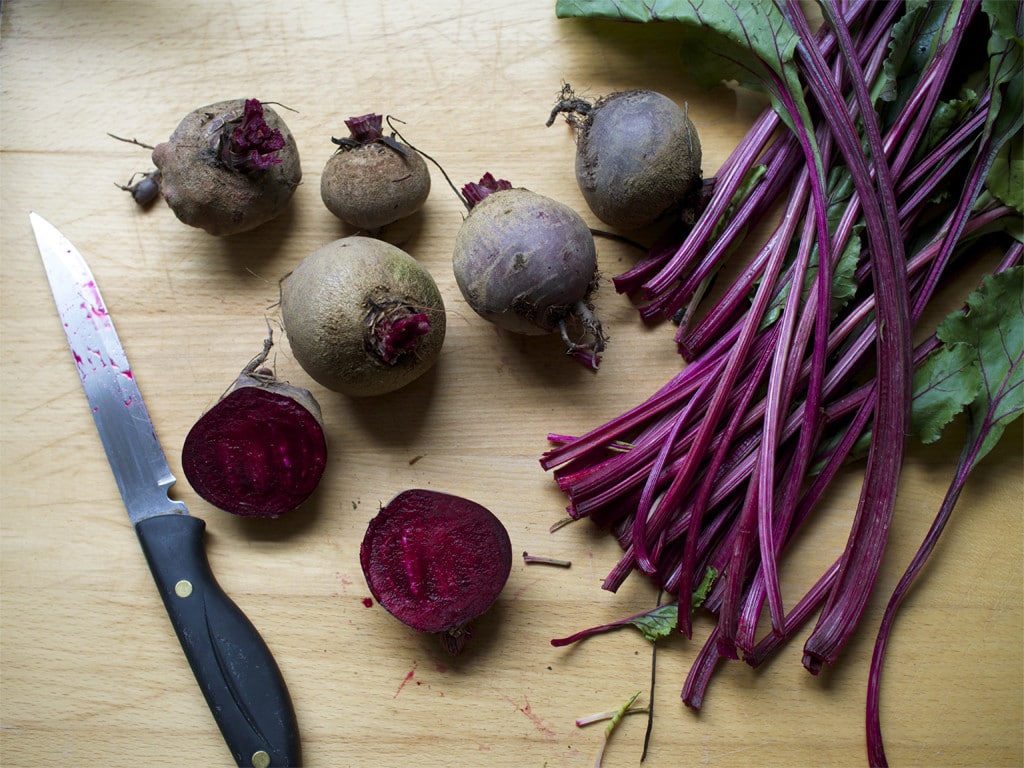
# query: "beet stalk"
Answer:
x=900 y=202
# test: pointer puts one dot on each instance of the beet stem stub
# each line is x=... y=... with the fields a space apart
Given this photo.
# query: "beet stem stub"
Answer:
x=394 y=329
x=366 y=128
x=436 y=562
x=369 y=129
x=251 y=145
x=475 y=191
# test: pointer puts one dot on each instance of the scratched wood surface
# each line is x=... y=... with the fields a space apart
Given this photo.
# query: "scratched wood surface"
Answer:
x=90 y=672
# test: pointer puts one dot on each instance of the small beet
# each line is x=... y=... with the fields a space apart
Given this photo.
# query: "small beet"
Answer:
x=528 y=264
x=229 y=167
x=638 y=156
x=145 y=190
x=261 y=450
x=436 y=562
x=373 y=180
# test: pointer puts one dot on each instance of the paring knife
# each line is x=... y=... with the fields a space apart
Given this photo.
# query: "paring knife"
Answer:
x=236 y=672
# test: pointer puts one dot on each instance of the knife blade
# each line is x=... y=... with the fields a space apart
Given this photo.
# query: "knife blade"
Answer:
x=235 y=670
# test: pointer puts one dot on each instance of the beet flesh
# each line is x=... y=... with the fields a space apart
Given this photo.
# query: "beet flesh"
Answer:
x=260 y=451
x=527 y=263
x=436 y=561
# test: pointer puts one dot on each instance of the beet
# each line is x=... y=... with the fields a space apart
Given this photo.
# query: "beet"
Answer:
x=229 y=167
x=362 y=316
x=145 y=190
x=261 y=450
x=436 y=562
x=373 y=180
x=638 y=156
x=528 y=264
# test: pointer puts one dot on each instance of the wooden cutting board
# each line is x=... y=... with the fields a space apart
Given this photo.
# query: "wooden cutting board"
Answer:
x=90 y=672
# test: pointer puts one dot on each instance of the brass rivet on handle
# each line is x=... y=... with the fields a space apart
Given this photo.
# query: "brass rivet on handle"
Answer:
x=260 y=759
x=183 y=588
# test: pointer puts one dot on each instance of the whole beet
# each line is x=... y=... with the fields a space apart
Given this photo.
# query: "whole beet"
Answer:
x=528 y=264
x=362 y=316
x=229 y=167
x=638 y=156
x=372 y=180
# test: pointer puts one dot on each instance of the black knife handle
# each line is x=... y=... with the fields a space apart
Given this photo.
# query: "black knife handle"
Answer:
x=235 y=670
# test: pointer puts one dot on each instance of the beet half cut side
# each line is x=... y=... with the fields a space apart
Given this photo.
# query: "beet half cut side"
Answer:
x=256 y=453
x=436 y=562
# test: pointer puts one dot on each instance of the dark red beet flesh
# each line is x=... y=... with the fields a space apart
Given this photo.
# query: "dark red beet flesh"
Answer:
x=436 y=562
x=257 y=453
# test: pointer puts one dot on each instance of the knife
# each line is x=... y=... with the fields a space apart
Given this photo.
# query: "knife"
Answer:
x=236 y=672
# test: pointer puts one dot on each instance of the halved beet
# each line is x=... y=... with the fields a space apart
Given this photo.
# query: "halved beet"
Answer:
x=261 y=450
x=436 y=562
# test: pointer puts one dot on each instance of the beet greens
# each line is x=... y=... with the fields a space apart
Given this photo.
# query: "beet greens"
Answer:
x=894 y=166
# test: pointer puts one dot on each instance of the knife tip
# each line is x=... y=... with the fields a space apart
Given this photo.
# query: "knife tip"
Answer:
x=38 y=222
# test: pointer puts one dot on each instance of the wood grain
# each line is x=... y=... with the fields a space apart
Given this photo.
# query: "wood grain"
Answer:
x=90 y=672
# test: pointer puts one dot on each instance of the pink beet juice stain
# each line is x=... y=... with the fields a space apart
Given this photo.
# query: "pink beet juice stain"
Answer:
x=95 y=300
x=409 y=676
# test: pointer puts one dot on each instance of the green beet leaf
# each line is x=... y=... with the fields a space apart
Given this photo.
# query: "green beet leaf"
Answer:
x=944 y=384
x=993 y=326
x=925 y=26
x=721 y=41
x=660 y=622
x=1006 y=179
